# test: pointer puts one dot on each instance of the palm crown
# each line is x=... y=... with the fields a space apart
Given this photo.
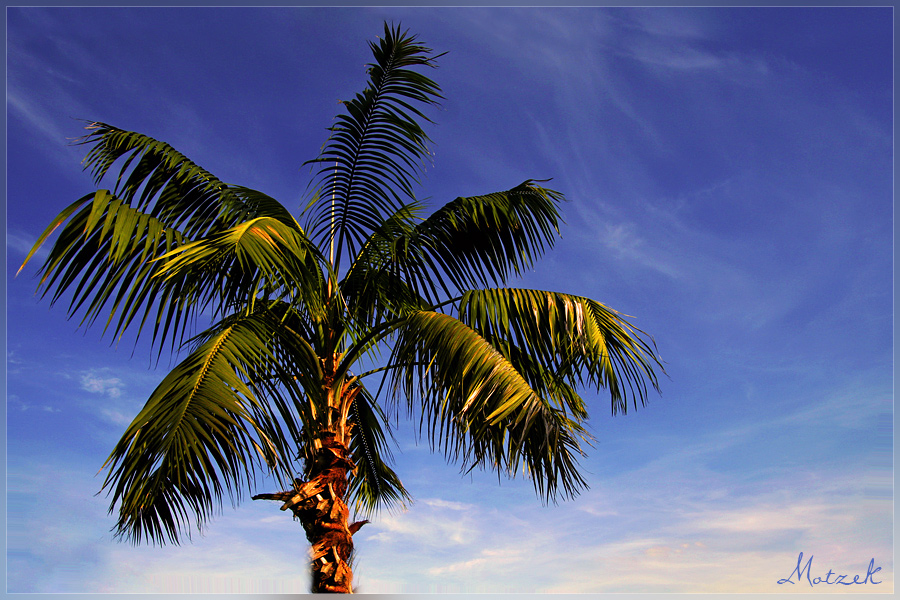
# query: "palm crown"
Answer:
x=490 y=372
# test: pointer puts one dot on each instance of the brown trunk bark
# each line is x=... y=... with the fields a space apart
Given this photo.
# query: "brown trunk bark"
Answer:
x=319 y=501
x=319 y=504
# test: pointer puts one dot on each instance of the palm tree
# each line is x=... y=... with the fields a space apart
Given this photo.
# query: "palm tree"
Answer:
x=273 y=384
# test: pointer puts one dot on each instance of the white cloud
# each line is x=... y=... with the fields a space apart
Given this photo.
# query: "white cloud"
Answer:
x=626 y=244
x=735 y=69
x=491 y=559
x=111 y=400
x=856 y=408
x=769 y=518
x=438 y=503
x=671 y=23
x=723 y=543
x=115 y=417
x=21 y=243
x=14 y=400
x=437 y=523
x=224 y=561
x=13 y=363
x=93 y=382
x=681 y=57
x=743 y=549
x=36 y=117
x=73 y=551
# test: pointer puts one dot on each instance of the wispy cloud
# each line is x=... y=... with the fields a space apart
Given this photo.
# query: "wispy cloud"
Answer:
x=36 y=117
x=21 y=244
x=437 y=523
x=713 y=547
x=12 y=400
x=438 y=503
x=49 y=553
x=667 y=23
x=94 y=382
x=490 y=559
x=625 y=243
x=746 y=548
x=721 y=543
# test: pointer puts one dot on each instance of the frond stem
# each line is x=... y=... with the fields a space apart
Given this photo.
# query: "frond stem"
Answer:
x=388 y=368
x=353 y=167
x=376 y=334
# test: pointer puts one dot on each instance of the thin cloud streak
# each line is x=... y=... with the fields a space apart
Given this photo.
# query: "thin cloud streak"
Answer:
x=21 y=244
x=714 y=547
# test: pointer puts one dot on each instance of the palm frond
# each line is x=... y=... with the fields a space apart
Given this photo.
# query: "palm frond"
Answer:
x=202 y=434
x=156 y=178
x=375 y=286
x=103 y=257
x=479 y=409
x=479 y=240
x=559 y=338
x=109 y=239
x=377 y=147
x=375 y=484
x=255 y=261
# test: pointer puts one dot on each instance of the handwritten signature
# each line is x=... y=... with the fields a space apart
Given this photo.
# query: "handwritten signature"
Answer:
x=798 y=571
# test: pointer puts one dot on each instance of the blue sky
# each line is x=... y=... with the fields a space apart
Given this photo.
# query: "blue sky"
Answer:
x=730 y=178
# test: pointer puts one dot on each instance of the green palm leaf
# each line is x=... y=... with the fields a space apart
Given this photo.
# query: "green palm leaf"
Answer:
x=257 y=260
x=105 y=250
x=481 y=240
x=375 y=484
x=155 y=177
x=202 y=433
x=102 y=256
x=376 y=148
x=477 y=407
x=564 y=338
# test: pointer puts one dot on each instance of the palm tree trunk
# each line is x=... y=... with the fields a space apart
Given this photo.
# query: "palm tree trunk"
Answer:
x=325 y=518
x=319 y=504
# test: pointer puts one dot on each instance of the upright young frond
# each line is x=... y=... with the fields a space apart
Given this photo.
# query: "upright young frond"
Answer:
x=377 y=147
